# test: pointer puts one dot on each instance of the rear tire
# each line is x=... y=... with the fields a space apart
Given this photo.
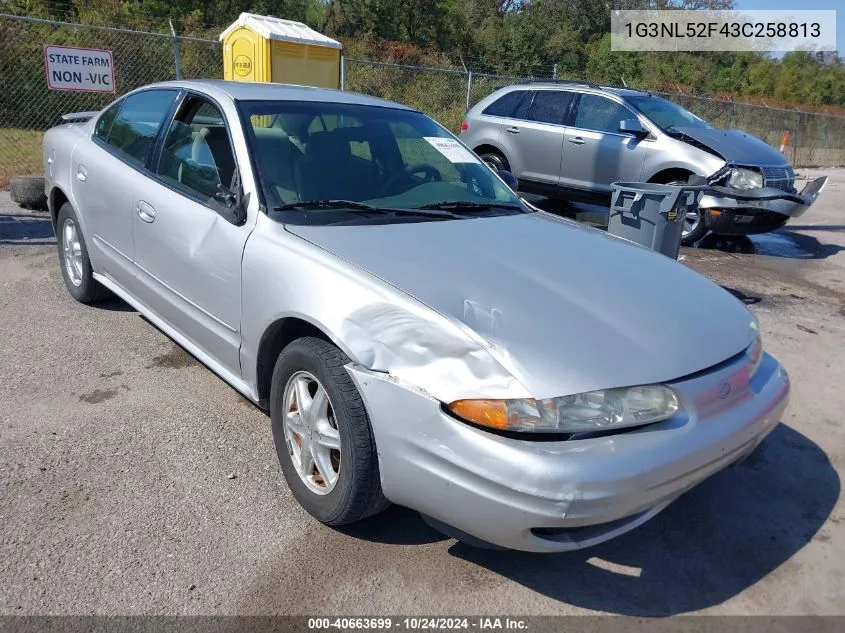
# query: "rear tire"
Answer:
x=350 y=490
x=28 y=192
x=74 y=260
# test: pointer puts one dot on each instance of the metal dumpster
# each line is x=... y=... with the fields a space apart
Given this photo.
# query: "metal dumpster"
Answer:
x=651 y=214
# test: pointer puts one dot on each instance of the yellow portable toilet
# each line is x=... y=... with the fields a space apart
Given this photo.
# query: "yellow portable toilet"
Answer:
x=263 y=48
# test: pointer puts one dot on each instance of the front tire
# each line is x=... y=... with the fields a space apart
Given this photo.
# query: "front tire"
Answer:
x=322 y=434
x=694 y=225
x=74 y=260
x=694 y=228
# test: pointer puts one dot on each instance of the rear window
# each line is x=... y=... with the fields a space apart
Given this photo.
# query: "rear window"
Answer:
x=550 y=106
x=105 y=121
x=507 y=104
x=135 y=128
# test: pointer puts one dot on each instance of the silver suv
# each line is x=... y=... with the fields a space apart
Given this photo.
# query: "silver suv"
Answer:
x=571 y=140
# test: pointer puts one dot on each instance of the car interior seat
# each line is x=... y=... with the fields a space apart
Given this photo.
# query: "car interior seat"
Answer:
x=329 y=171
x=277 y=158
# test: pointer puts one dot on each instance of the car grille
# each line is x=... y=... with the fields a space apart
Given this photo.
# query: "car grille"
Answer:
x=779 y=177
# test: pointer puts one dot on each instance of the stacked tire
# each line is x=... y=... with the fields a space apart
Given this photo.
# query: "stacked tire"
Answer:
x=28 y=192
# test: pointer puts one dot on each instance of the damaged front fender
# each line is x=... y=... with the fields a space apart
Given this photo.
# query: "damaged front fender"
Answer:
x=435 y=356
x=377 y=325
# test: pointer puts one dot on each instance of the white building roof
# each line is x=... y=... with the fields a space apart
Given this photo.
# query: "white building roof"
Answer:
x=279 y=29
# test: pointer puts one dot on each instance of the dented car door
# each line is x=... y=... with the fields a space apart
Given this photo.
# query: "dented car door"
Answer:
x=187 y=255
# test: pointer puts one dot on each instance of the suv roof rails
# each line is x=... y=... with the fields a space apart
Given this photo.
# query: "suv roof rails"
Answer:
x=573 y=82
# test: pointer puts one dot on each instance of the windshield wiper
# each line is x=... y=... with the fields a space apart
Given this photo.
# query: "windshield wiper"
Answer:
x=325 y=204
x=466 y=205
x=362 y=208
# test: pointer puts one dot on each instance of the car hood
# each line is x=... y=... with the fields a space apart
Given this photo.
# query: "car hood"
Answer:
x=736 y=146
x=563 y=307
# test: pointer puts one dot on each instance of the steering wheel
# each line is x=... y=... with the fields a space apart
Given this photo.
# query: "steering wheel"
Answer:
x=430 y=174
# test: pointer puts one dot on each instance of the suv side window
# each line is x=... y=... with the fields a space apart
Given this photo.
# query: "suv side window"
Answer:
x=135 y=128
x=506 y=105
x=197 y=156
x=600 y=114
x=549 y=106
x=104 y=123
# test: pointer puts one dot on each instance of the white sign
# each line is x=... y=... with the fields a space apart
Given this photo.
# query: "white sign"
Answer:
x=81 y=69
x=452 y=150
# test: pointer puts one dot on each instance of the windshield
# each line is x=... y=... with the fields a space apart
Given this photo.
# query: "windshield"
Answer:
x=333 y=162
x=664 y=113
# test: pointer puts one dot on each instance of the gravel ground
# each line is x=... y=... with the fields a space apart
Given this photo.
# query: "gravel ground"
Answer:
x=134 y=481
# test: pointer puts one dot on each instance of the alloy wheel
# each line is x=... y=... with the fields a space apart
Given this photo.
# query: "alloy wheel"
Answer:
x=691 y=222
x=311 y=433
x=72 y=251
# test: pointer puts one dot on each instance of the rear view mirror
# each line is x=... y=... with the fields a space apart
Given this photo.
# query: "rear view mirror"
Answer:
x=509 y=178
x=632 y=127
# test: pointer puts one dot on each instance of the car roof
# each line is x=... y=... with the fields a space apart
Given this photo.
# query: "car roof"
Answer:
x=585 y=86
x=254 y=91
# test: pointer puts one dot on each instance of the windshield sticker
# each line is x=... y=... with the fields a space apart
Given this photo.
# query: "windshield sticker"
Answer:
x=451 y=149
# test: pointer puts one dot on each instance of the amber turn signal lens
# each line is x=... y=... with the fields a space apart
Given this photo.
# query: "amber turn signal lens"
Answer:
x=492 y=413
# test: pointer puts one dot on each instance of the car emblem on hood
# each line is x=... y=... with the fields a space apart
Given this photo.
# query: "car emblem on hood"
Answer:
x=725 y=390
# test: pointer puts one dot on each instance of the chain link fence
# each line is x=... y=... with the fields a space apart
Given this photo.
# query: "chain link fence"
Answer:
x=28 y=107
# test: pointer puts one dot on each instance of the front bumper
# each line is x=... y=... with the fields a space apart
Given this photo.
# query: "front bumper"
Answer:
x=743 y=222
x=764 y=200
x=564 y=495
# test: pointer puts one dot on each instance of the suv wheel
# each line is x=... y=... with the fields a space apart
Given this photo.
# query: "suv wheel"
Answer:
x=495 y=161
x=694 y=228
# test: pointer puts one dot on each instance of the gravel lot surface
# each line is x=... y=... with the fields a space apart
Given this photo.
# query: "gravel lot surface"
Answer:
x=133 y=480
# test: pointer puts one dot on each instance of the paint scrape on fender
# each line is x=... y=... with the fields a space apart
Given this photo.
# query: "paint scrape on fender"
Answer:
x=433 y=355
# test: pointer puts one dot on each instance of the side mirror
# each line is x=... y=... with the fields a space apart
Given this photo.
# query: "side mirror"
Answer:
x=509 y=178
x=231 y=203
x=632 y=127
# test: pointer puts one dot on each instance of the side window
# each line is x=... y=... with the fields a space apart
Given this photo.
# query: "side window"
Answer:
x=104 y=123
x=135 y=128
x=549 y=106
x=197 y=156
x=506 y=105
x=600 y=114
x=524 y=106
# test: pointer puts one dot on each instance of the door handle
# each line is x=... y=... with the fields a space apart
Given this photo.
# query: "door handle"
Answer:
x=146 y=212
x=577 y=140
x=81 y=173
x=512 y=130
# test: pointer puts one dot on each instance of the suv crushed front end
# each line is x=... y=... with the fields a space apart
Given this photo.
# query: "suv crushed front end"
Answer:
x=731 y=210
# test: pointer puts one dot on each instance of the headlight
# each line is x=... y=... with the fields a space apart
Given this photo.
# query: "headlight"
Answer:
x=590 y=411
x=741 y=178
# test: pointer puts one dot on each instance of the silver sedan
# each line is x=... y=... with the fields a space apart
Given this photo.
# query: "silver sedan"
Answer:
x=418 y=334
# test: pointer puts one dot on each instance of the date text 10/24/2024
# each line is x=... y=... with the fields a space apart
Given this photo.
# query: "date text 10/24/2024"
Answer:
x=417 y=623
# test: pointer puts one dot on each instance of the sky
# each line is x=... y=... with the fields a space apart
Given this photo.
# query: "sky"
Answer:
x=786 y=5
